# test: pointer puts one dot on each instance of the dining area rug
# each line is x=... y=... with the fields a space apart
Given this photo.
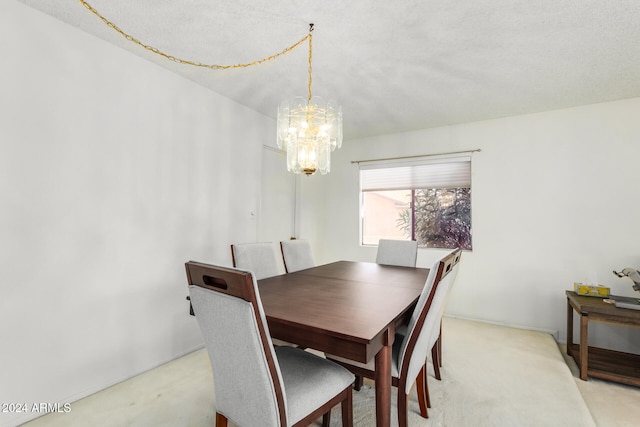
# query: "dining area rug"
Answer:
x=491 y=376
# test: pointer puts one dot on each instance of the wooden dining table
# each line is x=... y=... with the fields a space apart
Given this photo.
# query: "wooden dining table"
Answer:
x=348 y=309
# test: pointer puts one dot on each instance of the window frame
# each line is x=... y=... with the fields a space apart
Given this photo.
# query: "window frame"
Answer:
x=413 y=161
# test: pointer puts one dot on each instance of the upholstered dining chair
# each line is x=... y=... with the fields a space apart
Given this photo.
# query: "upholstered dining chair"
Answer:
x=297 y=255
x=435 y=340
x=256 y=384
x=397 y=252
x=409 y=352
x=262 y=259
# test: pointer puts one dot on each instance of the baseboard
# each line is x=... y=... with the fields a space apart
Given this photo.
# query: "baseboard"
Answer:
x=554 y=333
x=91 y=390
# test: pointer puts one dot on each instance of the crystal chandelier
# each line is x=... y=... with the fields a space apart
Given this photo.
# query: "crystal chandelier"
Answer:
x=309 y=130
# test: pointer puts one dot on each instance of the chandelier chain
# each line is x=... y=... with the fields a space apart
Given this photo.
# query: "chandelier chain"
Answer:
x=199 y=64
x=310 y=57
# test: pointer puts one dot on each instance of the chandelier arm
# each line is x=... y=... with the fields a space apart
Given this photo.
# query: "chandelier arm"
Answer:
x=198 y=64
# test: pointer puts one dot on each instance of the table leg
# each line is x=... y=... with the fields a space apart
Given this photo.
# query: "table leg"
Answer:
x=383 y=383
x=584 y=346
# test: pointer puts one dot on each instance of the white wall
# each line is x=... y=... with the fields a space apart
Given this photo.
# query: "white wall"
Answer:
x=113 y=173
x=555 y=200
x=278 y=199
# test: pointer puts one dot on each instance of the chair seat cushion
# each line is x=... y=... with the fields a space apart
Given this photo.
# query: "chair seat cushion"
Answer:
x=395 y=356
x=309 y=381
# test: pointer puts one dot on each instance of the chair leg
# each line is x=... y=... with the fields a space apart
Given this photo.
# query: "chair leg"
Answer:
x=439 y=343
x=423 y=392
x=357 y=384
x=221 y=420
x=436 y=361
x=426 y=387
x=347 y=410
x=326 y=419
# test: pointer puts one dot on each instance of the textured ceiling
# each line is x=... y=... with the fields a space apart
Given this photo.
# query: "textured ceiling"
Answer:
x=393 y=66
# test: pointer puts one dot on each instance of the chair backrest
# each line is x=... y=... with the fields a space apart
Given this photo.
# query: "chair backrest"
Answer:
x=297 y=255
x=247 y=379
x=397 y=252
x=457 y=254
x=426 y=318
x=262 y=259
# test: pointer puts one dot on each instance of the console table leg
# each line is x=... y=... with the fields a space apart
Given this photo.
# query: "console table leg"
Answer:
x=569 y=327
x=584 y=346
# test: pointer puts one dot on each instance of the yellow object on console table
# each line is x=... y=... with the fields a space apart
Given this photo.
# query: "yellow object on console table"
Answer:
x=591 y=290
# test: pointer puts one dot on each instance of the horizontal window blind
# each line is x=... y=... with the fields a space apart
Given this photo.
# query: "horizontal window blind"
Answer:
x=454 y=172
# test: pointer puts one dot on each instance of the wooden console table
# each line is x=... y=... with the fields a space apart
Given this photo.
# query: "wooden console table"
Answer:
x=599 y=362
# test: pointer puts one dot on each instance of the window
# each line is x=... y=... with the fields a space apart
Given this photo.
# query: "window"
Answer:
x=427 y=200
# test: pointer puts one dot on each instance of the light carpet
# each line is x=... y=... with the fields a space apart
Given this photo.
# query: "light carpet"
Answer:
x=492 y=376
